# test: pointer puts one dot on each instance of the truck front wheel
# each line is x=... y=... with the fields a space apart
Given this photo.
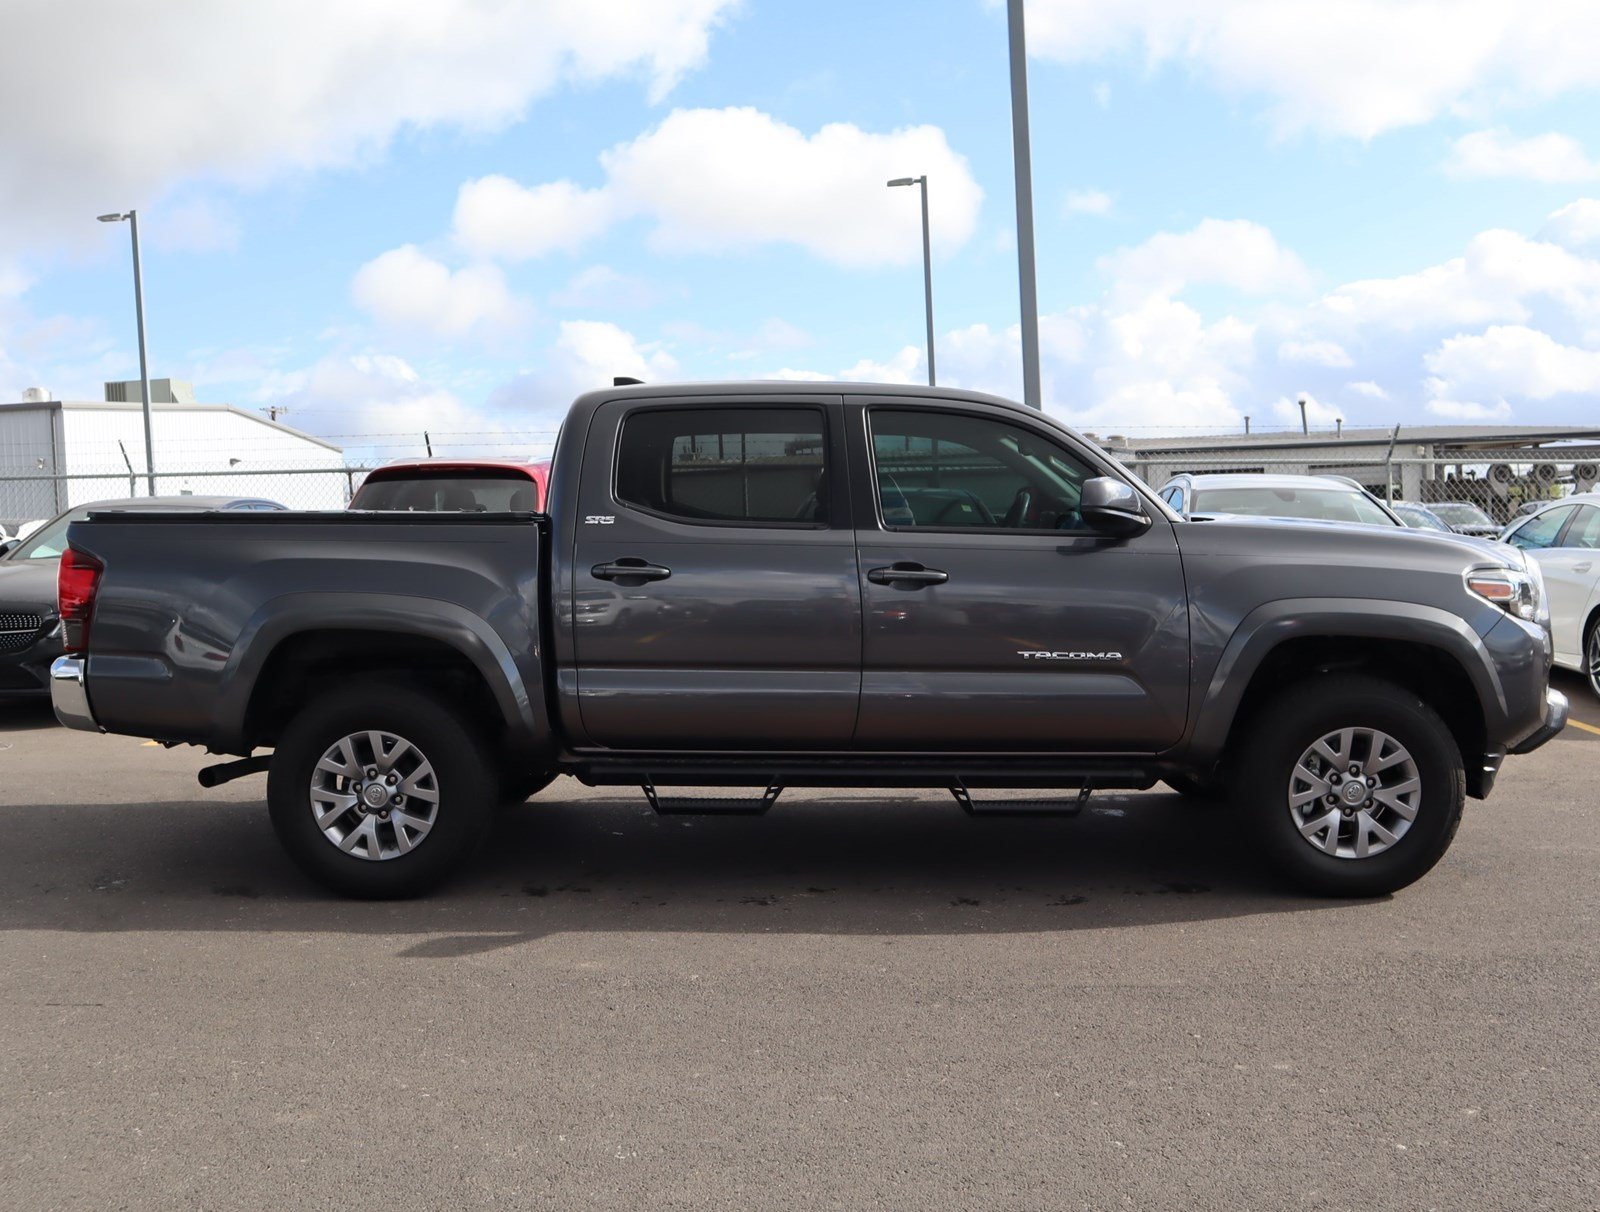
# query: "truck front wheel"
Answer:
x=377 y=791
x=1354 y=786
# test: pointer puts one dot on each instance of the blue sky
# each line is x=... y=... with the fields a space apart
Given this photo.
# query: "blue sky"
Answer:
x=1387 y=206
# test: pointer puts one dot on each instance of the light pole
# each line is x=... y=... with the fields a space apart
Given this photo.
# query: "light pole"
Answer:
x=1023 y=163
x=144 y=364
x=927 y=263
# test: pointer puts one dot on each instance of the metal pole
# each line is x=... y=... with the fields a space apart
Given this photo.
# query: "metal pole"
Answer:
x=1024 y=173
x=144 y=361
x=927 y=276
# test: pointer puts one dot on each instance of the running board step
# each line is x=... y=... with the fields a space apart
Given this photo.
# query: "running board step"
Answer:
x=974 y=807
x=719 y=805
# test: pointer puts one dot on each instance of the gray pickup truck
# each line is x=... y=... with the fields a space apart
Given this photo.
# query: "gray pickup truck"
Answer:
x=756 y=585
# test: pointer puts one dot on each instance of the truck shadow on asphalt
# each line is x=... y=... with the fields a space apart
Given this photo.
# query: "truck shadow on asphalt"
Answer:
x=835 y=866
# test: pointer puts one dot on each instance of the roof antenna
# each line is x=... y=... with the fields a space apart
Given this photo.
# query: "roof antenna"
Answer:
x=625 y=381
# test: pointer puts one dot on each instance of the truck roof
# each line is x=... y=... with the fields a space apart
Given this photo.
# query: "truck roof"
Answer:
x=777 y=390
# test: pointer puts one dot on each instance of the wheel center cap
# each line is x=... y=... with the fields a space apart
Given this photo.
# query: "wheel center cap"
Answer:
x=376 y=795
x=1354 y=791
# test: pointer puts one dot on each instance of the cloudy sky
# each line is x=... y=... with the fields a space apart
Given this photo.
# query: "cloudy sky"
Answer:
x=391 y=215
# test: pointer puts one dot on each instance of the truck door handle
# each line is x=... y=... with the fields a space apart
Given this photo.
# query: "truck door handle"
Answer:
x=630 y=568
x=907 y=573
x=1583 y=567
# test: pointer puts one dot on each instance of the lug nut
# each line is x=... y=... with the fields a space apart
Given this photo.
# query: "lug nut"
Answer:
x=1354 y=769
x=372 y=772
x=392 y=779
x=398 y=800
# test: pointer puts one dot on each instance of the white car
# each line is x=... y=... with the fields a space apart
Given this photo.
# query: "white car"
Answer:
x=1564 y=538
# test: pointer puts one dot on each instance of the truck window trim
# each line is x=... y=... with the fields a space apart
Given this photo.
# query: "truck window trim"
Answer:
x=829 y=449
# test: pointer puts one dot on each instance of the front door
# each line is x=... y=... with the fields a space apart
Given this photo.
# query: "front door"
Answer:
x=994 y=620
x=715 y=600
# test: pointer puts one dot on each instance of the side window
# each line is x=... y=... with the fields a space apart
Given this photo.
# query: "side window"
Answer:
x=726 y=465
x=1541 y=531
x=1585 y=531
x=945 y=471
x=1174 y=497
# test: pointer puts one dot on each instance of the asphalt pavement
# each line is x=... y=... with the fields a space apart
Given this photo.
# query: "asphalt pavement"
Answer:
x=857 y=1001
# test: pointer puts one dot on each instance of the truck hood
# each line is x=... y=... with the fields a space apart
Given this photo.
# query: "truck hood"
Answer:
x=1310 y=534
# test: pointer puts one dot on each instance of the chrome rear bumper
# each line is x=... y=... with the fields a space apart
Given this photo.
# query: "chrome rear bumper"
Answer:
x=69 y=694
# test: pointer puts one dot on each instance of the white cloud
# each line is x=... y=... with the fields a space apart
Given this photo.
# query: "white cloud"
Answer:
x=1576 y=225
x=1318 y=414
x=1466 y=410
x=1511 y=360
x=164 y=93
x=603 y=288
x=1357 y=67
x=1319 y=353
x=587 y=355
x=1223 y=252
x=1509 y=328
x=1496 y=153
x=725 y=180
x=496 y=217
x=406 y=288
x=1088 y=202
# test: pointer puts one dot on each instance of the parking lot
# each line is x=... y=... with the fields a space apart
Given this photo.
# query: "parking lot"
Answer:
x=856 y=1001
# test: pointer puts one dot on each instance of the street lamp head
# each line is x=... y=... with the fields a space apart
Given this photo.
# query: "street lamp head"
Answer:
x=111 y=218
x=904 y=181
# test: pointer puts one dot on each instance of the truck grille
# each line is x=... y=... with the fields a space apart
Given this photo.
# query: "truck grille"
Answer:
x=18 y=629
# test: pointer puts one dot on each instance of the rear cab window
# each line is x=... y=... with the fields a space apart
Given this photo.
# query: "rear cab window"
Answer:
x=726 y=466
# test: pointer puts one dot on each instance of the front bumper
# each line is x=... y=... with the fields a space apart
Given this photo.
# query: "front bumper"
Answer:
x=69 y=694
x=1555 y=719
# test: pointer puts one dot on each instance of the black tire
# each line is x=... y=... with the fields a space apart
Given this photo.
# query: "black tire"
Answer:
x=463 y=776
x=1280 y=733
x=1590 y=656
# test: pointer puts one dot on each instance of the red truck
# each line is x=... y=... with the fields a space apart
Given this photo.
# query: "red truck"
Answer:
x=456 y=486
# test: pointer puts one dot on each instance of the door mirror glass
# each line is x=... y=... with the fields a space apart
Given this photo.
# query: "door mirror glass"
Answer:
x=1110 y=507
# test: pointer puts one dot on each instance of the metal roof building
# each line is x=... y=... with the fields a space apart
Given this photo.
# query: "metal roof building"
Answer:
x=58 y=453
x=1414 y=462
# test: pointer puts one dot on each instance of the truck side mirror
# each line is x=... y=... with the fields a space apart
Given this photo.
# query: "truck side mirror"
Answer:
x=6 y=546
x=1110 y=507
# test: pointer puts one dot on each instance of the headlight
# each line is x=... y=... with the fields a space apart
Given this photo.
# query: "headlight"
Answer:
x=1518 y=593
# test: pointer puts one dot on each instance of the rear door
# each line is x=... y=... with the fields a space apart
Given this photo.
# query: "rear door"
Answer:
x=716 y=603
x=1571 y=572
x=993 y=619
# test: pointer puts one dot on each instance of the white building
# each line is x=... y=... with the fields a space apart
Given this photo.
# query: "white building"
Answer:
x=58 y=453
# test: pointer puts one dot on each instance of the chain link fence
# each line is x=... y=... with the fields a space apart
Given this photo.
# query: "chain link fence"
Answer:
x=1499 y=483
x=34 y=497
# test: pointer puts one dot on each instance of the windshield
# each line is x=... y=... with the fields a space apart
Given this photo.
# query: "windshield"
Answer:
x=50 y=540
x=1459 y=513
x=1419 y=518
x=451 y=492
x=1322 y=504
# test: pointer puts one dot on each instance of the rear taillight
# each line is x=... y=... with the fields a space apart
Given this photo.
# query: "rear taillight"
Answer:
x=76 y=584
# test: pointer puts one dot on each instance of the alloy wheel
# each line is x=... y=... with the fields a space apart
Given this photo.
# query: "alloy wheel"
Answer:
x=1354 y=793
x=374 y=795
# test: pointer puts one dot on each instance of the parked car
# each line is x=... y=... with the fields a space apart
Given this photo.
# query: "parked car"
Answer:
x=1563 y=539
x=455 y=485
x=30 y=634
x=1464 y=517
x=1418 y=516
x=851 y=585
x=1306 y=498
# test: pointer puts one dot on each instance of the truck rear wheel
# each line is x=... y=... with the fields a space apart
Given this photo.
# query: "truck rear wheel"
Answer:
x=1352 y=785
x=378 y=791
